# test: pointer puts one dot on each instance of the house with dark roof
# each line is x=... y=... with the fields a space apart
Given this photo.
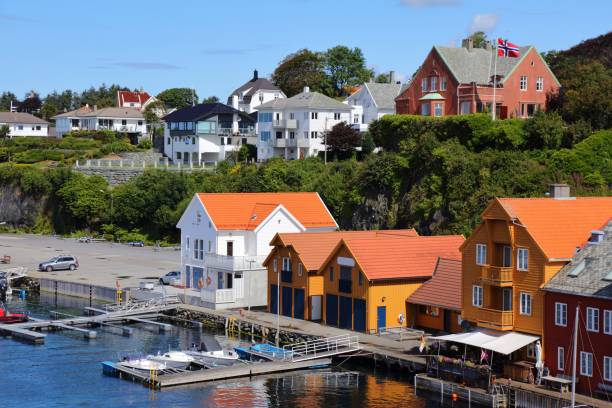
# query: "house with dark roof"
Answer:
x=206 y=133
x=372 y=101
x=124 y=120
x=294 y=128
x=24 y=124
x=253 y=93
x=583 y=288
x=460 y=80
x=436 y=305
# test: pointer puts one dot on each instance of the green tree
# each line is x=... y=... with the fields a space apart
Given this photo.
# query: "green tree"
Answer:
x=5 y=101
x=382 y=78
x=31 y=103
x=211 y=99
x=48 y=109
x=85 y=199
x=544 y=130
x=178 y=98
x=367 y=144
x=479 y=38
x=5 y=130
x=153 y=112
x=342 y=140
x=345 y=67
x=300 y=69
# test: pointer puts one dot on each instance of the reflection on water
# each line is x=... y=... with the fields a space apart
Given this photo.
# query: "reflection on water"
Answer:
x=66 y=372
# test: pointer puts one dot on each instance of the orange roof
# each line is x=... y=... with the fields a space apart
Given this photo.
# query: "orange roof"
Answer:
x=394 y=257
x=559 y=225
x=314 y=247
x=245 y=211
x=443 y=289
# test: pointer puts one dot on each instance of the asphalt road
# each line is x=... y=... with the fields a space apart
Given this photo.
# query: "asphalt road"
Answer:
x=100 y=263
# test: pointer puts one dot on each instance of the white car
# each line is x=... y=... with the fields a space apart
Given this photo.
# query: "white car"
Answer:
x=171 y=278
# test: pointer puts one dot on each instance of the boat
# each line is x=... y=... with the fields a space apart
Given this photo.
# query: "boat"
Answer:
x=142 y=363
x=216 y=357
x=262 y=352
x=173 y=359
x=6 y=317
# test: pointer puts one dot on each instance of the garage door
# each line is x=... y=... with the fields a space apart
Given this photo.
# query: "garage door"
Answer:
x=359 y=309
x=287 y=301
x=273 y=298
x=331 y=310
x=298 y=306
x=316 y=304
x=346 y=313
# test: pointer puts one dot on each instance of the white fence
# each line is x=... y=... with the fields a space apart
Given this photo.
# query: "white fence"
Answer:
x=142 y=164
x=218 y=296
x=329 y=346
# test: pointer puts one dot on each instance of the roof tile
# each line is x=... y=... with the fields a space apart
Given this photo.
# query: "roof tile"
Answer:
x=443 y=289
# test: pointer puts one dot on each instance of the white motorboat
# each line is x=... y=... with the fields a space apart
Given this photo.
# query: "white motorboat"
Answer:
x=142 y=363
x=173 y=359
x=217 y=357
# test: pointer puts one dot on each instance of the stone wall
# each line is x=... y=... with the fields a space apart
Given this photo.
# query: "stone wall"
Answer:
x=113 y=176
x=19 y=209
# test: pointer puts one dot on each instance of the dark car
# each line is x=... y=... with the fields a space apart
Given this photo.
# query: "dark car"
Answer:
x=136 y=243
x=58 y=263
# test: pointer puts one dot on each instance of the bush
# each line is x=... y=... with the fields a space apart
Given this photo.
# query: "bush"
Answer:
x=145 y=144
x=544 y=130
x=75 y=143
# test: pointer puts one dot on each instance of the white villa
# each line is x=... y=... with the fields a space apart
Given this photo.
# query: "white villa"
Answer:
x=24 y=124
x=253 y=93
x=225 y=237
x=371 y=102
x=127 y=120
x=206 y=133
x=294 y=128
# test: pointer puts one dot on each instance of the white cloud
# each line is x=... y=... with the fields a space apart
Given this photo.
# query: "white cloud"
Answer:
x=428 y=3
x=484 y=22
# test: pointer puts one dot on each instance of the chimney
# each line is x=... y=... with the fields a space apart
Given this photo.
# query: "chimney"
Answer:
x=467 y=43
x=235 y=101
x=488 y=46
x=559 y=191
x=255 y=75
x=391 y=77
x=95 y=107
x=306 y=89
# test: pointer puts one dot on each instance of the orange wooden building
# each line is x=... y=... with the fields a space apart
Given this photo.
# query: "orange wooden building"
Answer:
x=436 y=305
x=520 y=245
x=367 y=280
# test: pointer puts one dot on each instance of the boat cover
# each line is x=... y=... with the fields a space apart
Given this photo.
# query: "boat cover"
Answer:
x=502 y=343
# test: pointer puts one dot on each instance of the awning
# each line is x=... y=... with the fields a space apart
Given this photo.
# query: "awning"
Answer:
x=504 y=343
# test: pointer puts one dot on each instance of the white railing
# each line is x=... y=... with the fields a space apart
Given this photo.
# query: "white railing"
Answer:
x=141 y=164
x=143 y=305
x=232 y=263
x=329 y=346
x=217 y=296
x=399 y=333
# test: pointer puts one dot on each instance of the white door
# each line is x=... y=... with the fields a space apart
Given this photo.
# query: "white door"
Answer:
x=238 y=285
x=315 y=307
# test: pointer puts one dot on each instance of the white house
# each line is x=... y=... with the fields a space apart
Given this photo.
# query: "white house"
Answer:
x=225 y=237
x=127 y=120
x=371 y=102
x=294 y=128
x=24 y=124
x=206 y=133
x=253 y=93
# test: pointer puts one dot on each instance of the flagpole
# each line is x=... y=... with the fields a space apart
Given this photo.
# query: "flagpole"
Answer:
x=494 y=82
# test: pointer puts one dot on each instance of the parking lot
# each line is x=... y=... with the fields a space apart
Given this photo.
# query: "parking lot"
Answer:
x=100 y=263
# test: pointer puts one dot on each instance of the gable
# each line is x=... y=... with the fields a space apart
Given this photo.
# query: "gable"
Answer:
x=194 y=215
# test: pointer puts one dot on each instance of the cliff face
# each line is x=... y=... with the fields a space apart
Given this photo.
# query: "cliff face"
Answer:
x=18 y=209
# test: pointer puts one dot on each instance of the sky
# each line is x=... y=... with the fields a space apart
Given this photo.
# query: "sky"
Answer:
x=213 y=46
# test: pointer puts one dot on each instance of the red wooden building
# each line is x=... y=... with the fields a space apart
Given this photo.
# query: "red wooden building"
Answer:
x=585 y=282
x=459 y=80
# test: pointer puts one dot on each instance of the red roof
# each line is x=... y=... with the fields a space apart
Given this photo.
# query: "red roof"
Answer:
x=124 y=97
x=443 y=289
x=396 y=257
x=245 y=211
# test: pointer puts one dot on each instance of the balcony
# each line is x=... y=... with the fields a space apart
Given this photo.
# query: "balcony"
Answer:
x=285 y=123
x=497 y=275
x=280 y=142
x=496 y=319
x=286 y=276
x=279 y=123
x=218 y=296
x=345 y=286
x=228 y=263
x=303 y=142
x=246 y=132
x=292 y=124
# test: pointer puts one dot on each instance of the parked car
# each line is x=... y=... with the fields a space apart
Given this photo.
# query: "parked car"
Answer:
x=171 y=278
x=136 y=243
x=85 y=240
x=59 y=262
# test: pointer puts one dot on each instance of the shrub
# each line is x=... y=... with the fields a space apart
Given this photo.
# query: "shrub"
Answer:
x=145 y=144
x=75 y=143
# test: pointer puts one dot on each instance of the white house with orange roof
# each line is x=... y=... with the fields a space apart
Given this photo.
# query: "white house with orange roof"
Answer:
x=225 y=237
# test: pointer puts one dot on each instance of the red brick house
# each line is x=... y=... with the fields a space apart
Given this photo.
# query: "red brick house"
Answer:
x=132 y=99
x=585 y=282
x=459 y=80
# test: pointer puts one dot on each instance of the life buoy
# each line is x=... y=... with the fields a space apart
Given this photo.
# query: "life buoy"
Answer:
x=208 y=281
x=400 y=319
x=200 y=283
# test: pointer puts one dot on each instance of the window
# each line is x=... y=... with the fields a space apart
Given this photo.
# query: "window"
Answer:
x=477 y=296
x=261 y=97
x=586 y=364
x=560 y=314
x=305 y=115
x=178 y=156
x=275 y=265
x=189 y=125
x=425 y=109
x=209 y=246
x=434 y=83
x=443 y=84
x=507 y=256
x=198 y=249
x=560 y=358
x=331 y=273
x=522 y=259
x=20 y=127
x=124 y=122
x=336 y=116
x=465 y=108
x=38 y=127
x=305 y=135
x=187 y=243
x=181 y=126
x=424 y=84
x=291 y=115
x=192 y=140
x=540 y=84
x=300 y=269
x=169 y=140
x=607 y=321
x=314 y=115
x=525 y=303
x=437 y=109
x=356 y=118
x=345 y=282
x=592 y=319
x=265 y=136
x=286 y=264
x=481 y=254
x=523 y=83
x=291 y=136
x=314 y=135
x=607 y=368
x=360 y=279
x=264 y=117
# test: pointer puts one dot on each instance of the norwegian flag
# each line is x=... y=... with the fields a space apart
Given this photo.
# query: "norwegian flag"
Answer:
x=507 y=49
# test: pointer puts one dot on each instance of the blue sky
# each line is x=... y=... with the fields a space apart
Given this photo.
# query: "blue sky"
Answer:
x=213 y=46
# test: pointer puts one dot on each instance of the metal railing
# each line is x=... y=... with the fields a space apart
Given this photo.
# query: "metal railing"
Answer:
x=329 y=346
x=141 y=164
x=143 y=305
x=218 y=295
x=231 y=263
x=398 y=333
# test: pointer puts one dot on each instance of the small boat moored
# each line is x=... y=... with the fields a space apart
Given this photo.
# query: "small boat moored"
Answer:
x=7 y=317
x=173 y=359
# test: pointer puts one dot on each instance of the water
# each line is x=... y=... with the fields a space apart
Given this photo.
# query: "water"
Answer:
x=66 y=372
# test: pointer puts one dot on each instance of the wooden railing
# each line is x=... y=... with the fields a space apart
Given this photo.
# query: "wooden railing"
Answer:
x=496 y=319
x=497 y=275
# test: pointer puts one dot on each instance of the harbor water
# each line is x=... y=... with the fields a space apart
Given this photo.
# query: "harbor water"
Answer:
x=66 y=372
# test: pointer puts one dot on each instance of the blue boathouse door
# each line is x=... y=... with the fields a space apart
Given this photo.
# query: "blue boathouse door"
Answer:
x=298 y=306
x=381 y=317
x=359 y=311
x=187 y=276
x=273 y=298
x=287 y=301
x=346 y=313
x=331 y=310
